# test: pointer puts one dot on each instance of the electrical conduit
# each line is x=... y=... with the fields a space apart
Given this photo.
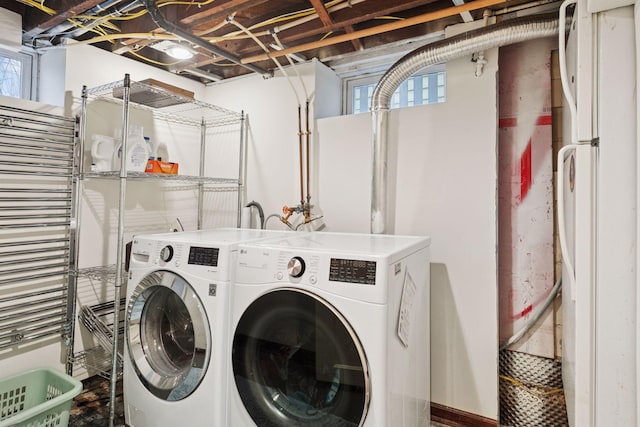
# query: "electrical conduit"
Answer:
x=157 y=17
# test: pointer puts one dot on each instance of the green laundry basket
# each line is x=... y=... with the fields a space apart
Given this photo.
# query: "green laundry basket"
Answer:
x=37 y=398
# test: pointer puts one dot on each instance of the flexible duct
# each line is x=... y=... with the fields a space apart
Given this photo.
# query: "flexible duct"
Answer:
x=157 y=17
x=497 y=35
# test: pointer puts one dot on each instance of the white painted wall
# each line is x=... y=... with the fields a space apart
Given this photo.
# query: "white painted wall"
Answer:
x=51 y=79
x=273 y=146
x=446 y=188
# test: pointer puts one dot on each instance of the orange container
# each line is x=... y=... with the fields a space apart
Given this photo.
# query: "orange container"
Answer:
x=158 y=166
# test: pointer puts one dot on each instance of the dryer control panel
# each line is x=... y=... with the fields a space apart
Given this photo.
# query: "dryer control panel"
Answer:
x=352 y=271
x=349 y=275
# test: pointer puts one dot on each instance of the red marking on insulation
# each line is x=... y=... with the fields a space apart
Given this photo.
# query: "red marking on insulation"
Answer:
x=525 y=172
x=526 y=310
x=511 y=122
x=543 y=121
x=508 y=122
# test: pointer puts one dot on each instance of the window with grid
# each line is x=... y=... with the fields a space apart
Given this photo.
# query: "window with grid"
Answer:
x=16 y=74
x=426 y=88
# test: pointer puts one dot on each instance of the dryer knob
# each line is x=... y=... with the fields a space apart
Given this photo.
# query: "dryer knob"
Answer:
x=296 y=266
x=166 y=253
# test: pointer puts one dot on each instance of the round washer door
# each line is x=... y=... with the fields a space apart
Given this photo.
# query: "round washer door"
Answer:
x=168 y=335
x=297 y=362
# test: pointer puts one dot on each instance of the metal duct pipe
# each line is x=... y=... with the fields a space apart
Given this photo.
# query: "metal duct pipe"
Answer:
x=497 y=35
x=154 y=12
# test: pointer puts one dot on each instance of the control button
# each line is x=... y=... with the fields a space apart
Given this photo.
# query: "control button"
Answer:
x=313 y=280
x=279 y=275
x=296 y=267
x=166 y=253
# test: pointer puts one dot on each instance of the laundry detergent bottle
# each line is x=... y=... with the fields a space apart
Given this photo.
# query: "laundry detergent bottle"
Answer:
x=137 y=151
x=102 y=149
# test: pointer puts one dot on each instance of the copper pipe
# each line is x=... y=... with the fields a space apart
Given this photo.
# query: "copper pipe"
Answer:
x=420 y=19
x=307 y=134
x=300 y=145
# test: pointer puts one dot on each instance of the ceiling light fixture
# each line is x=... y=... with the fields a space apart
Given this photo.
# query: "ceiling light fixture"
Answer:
x=179 y=52
x=174 y=49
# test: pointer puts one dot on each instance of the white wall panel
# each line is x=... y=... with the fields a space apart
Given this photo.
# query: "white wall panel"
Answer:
x=446 y=188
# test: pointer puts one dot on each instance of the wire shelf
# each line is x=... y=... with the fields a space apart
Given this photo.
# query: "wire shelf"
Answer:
x=98 y=319
x=97 y=360
x=102 y=272
x=168 y=178
x=167 y=105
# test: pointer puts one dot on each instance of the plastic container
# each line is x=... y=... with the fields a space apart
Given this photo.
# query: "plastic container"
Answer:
x=102 y=149
x=137 y=151
x=40 y=397
x=160 y=152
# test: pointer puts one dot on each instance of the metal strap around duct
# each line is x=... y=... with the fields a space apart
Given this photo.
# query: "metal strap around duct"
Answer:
x=36 y=210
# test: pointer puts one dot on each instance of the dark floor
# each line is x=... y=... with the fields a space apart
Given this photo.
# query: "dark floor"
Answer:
x=91 y=407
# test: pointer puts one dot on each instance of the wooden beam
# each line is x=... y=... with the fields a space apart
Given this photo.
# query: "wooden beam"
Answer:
x=420 y=19
x=356 y=42
x=361 y=16
x=61 y=17
x=323 y=14
x=219 y=11
x=326 y=20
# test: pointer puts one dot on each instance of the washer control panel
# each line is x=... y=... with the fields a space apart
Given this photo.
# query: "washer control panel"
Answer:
x=296 y=267
x=166 y=253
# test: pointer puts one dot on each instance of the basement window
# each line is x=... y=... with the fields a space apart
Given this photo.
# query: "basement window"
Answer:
x=420 y=89
x=15 y=74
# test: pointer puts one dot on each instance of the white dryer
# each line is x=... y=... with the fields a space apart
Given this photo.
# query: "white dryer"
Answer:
x=331 y=329
x=176 y=327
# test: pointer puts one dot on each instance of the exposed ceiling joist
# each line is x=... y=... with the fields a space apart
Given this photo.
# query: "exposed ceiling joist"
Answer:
x=478 y=4
x=229 y=38
x=61 y=16
x=328 y=22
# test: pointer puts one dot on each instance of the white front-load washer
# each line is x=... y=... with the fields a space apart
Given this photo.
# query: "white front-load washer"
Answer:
x=176 y=329
x=331 y=329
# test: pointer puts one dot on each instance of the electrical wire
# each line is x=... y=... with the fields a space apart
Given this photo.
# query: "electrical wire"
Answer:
x=266 y=49
x=545 y=305
x=532 y=388
x=39 y=5
x=390 y=18
x=187 y=3
x=302 y=18
x=152 y=61
x=125 y=17
x=292 y=20
x=295 y=69
x=79 y=24
x=326 y=35
x=299 y=17
x=142 y=36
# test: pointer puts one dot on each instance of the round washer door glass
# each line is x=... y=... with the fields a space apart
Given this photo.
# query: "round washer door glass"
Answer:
x=297 y=362
x=168 y=335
